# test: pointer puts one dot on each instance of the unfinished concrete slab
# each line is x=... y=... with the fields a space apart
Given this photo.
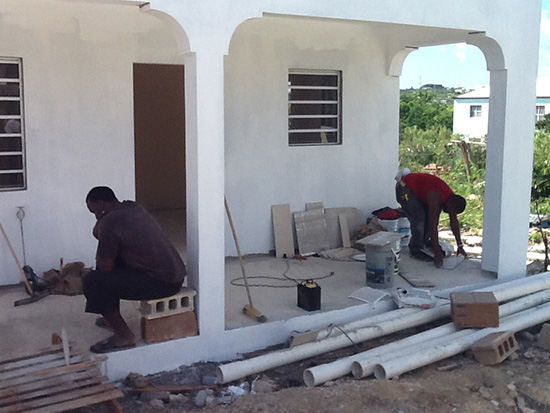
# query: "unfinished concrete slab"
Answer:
x=311 y=231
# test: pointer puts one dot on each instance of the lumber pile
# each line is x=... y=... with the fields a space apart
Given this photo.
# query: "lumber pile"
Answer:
x=42 y=381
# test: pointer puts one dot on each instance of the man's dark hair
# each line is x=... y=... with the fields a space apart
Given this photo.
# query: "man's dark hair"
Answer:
x=101 y=193
x=459 y=202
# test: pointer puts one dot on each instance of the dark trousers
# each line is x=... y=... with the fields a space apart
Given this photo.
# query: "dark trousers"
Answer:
x=417 y=213
x=104 y=290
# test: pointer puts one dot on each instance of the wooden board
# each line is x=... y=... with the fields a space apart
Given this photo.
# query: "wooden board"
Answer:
x=42 y=382
x=282 y=229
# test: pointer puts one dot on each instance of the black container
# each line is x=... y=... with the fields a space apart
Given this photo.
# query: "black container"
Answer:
x=309 y=296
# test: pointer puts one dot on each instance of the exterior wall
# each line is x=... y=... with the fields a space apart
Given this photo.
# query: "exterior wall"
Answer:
x=470 y=127
x=261 y=168
x=77 y=73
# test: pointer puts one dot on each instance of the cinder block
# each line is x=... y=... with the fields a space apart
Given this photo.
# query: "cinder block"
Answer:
x=544 y=337
x=176 y=304
x=169 y=327
x=495 y=347
x=474 y=309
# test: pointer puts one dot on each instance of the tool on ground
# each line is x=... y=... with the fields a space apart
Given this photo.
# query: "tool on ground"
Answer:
x=35 y=290
x=248 y=309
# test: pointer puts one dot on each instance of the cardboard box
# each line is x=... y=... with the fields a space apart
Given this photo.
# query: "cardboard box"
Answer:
x=474 y=309
x=169 y=328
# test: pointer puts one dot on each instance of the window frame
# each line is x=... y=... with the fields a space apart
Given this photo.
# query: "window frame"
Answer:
x=338 y=104
x=540 y=116
x=4 y=99
x=475 y=111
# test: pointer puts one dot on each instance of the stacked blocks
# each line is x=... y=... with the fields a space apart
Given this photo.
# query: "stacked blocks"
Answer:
x=169 y=318
x=495 y=347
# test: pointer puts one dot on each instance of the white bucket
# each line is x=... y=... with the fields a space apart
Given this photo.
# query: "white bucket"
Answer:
x=381 y=264
x=404 y=227
x=390 y=224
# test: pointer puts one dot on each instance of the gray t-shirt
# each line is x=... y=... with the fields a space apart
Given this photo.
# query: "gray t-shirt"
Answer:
x=130 y=234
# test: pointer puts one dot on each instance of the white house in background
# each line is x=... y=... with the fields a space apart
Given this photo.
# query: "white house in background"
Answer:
x=471 y=110
x=178 y=103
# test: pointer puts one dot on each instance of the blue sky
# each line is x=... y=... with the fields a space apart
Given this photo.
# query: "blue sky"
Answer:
x=463 y=65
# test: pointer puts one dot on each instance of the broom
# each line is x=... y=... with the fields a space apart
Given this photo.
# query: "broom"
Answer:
x=248 y=309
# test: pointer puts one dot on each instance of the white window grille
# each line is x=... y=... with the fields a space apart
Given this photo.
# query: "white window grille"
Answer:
x=475 y=111
x=12 y=145
x=540 y=113
x=314 y=107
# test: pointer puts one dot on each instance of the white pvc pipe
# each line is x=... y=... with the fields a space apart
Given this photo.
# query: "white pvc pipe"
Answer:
x=362 y=364
x=455 y=345
x=239 y=369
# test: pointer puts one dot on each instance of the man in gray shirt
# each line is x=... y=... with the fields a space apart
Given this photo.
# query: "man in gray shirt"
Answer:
x=134 y=261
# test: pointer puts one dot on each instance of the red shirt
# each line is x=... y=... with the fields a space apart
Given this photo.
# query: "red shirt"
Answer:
x=421 y=184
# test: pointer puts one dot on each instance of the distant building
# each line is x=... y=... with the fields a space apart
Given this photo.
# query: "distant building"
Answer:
x=471 y=110
x=431 y=86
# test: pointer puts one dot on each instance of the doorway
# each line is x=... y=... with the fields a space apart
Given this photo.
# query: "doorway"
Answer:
x=159 y=145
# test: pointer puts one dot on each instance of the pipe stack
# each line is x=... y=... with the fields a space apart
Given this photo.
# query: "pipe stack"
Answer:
x=412 y=352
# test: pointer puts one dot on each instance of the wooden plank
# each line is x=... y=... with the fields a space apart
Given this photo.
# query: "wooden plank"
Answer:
x=25 y=386
x=11 y=365
x=95 y=394
x=38 y=369
x=108 y=396
x=282 y=229
x=26 y=354
x=49 y=391
x=344 y=230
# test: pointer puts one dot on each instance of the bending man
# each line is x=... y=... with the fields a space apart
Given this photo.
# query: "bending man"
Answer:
x=134 y=261
x=423 y=197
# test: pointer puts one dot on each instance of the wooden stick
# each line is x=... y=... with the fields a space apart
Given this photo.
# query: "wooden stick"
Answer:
x=27 y=284
x=69 y=367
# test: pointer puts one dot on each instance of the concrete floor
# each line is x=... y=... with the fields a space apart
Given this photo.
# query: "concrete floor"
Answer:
x=30 y=326
x=273 y=289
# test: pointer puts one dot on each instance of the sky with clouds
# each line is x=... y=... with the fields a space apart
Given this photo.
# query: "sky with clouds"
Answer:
x=461 y=65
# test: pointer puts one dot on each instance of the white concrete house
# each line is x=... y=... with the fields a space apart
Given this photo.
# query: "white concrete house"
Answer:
x=471 y=110
x=179 y=102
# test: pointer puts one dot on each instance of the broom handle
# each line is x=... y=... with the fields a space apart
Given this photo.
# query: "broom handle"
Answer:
x=238 y=251
x=17 y=261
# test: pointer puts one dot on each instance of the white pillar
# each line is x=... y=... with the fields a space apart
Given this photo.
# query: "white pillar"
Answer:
x=509 y=170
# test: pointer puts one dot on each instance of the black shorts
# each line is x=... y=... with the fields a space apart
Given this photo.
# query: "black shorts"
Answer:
x=104 y=290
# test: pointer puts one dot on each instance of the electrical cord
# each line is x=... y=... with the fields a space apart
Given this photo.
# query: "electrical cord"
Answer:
x=239 y=282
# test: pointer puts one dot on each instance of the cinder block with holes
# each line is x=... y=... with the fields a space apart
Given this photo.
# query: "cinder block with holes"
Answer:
x=495 y=347
x=176 y=304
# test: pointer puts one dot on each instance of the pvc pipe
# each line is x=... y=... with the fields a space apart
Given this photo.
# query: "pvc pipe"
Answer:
x=362 y=364
x=239 y=369
x=456 y=345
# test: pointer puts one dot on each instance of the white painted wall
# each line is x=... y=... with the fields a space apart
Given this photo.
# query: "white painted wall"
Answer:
x=77 y=72
x=470 y=127
x=261 y=168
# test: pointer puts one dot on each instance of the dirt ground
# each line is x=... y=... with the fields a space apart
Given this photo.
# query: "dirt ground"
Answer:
x=520 y=383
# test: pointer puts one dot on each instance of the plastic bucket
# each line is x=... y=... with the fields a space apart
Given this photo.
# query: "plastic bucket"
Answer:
x=404 y=227
x=381 y=265
x=390 y=224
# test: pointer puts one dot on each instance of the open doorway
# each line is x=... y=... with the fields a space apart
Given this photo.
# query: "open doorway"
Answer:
x=159 y=124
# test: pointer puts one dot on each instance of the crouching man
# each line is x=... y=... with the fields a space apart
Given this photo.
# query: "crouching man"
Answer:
x=422 y=197
x=134 y=261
